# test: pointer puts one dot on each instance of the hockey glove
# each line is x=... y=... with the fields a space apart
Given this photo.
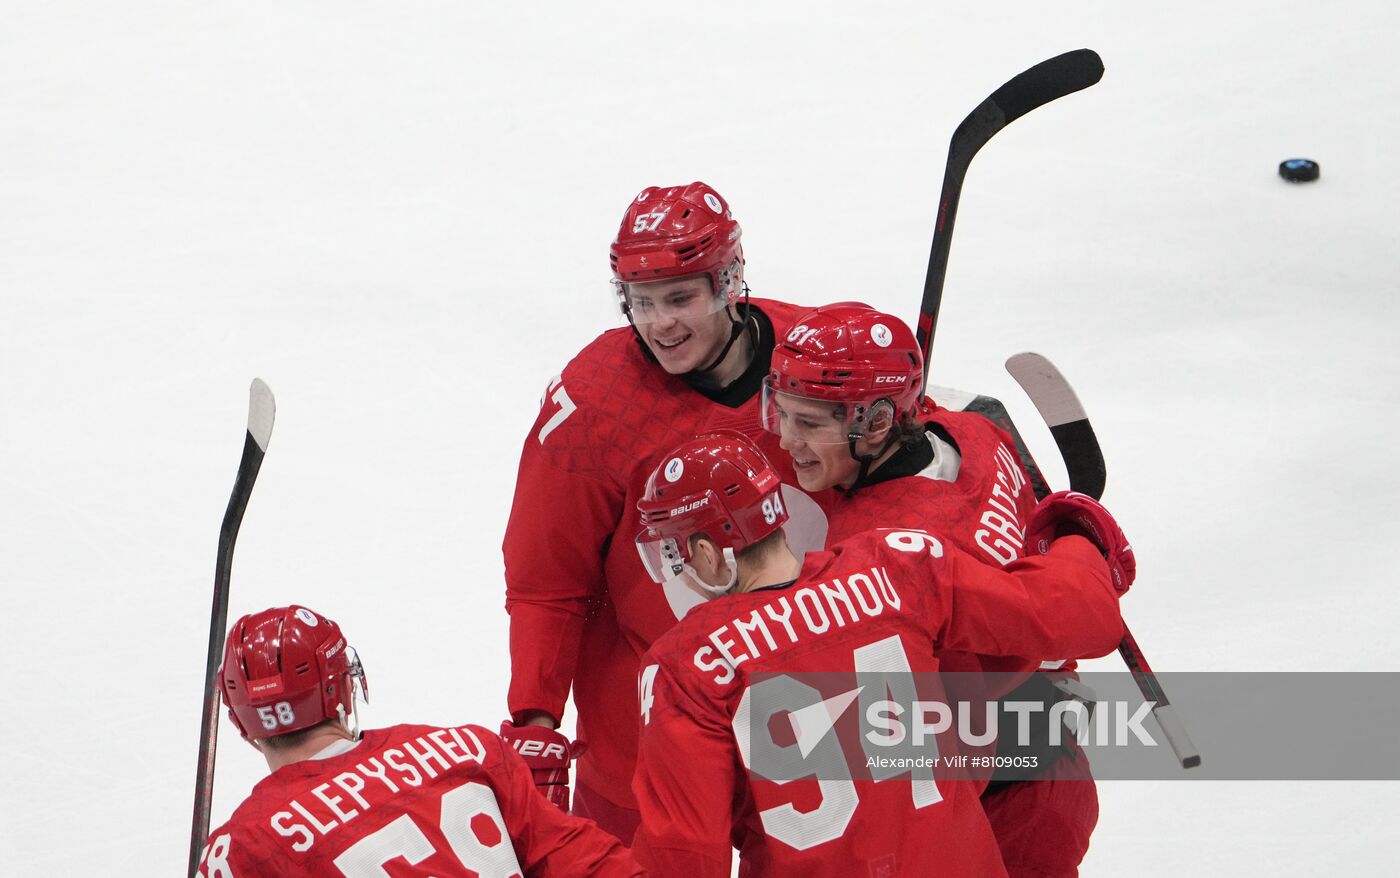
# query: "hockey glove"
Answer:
x=548 y=754
x=1067 y=513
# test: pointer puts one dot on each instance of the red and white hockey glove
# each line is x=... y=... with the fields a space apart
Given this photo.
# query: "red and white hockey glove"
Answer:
x=548 y=755
x=1066 y=513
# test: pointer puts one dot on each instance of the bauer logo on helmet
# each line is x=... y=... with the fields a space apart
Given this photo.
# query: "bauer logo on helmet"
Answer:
x=690 y=507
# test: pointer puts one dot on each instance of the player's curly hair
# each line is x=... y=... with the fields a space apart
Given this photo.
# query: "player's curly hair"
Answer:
x=909 y=431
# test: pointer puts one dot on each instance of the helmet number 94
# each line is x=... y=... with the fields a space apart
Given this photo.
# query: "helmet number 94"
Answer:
x=276 y=714
x=772 y=508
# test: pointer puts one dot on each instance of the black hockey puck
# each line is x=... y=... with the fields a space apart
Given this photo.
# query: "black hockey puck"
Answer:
x=1299 y=170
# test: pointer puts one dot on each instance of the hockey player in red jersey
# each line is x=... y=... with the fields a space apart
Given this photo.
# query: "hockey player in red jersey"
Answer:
x=582 y=609
x=845 y=394
x=453 y=802
x=882 y=601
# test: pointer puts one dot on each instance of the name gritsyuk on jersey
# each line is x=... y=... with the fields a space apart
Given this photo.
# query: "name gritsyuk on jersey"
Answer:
x=1001 y=535
x=796 y=614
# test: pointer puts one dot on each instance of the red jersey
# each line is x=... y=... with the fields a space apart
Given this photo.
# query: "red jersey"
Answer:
x=582 y=607
x=966 y=484
x=882 y=601
x=454 y=803
x=978 y=496
x=972 y=492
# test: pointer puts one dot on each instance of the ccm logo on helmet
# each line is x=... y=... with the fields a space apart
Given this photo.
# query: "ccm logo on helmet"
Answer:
x=891 y=379
x=703 y=501
x=539 y=748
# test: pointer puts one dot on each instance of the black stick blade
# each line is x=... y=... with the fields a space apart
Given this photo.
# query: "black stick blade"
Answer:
x=1057 y=403
x=1049 y=80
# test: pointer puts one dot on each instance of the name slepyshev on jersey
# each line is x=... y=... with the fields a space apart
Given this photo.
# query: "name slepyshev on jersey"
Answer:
x=377 y=778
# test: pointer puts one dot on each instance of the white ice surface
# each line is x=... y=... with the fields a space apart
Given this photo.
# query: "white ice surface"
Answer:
x=397 y=214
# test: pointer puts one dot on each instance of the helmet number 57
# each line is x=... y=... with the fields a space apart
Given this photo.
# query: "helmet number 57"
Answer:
x=647 y=222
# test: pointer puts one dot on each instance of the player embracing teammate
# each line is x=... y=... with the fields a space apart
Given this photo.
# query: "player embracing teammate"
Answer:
x=716 y=771
x=845 y=396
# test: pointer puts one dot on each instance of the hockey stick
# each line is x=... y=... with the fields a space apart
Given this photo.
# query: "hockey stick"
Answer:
x=261 y=410
x=1064 y=415
x=1058 y=404
x=1041 y=84
x=993 y=410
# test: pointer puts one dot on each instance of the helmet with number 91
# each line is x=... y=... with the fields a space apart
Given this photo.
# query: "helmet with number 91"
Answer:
x=287 y=669
x=676 y=231
x=719 y=485
x=848 y=359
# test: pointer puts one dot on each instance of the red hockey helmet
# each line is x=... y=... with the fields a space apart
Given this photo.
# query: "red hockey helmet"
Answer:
x=286 y=669
x=676 y=231
x=720 y=485
x=850 y=354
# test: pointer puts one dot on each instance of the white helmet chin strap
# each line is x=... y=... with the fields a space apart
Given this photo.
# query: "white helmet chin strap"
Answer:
x=350 y=719
x=716 y=591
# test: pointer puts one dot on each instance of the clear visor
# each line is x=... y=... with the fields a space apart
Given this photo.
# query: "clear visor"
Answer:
x=674 y=299
x=661 y=557
x=359 y=688
x=801 y=419
x=357 y=675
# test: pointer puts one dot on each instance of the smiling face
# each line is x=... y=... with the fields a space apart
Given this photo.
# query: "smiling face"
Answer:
x=682 y=321
x=813 y=432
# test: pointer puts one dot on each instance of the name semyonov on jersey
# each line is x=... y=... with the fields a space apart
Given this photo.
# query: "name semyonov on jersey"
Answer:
x=795 y=615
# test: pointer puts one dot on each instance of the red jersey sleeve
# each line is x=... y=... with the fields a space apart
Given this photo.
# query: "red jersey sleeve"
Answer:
x=548 y=842
x=685 y=783
x=561 y=520
x=1060 y=603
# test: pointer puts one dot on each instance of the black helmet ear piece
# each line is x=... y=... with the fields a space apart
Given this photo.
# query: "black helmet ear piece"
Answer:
x=879 y=411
